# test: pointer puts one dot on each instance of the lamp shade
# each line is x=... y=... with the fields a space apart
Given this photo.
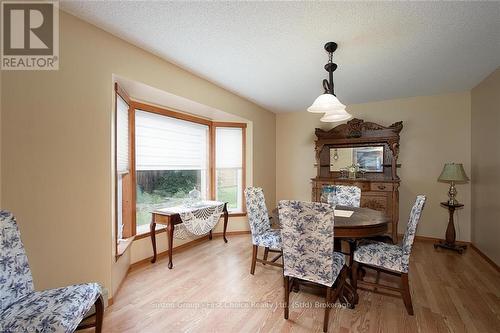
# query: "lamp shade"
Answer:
x=453 y=172
x=326 y=103
x=335 y=116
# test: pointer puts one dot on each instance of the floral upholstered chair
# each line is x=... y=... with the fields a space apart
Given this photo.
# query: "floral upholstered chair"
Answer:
x=348 y=195
x=24 y=310
x=260 y=226
x=308 y=249
x=390 y=258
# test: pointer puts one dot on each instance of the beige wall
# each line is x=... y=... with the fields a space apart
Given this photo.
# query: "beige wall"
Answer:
x=1 y=138
x=436 y=130
x=56 y=145
x=485 y=100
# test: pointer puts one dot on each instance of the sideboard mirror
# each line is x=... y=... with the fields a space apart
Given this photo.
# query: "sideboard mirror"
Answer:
x=367 y=158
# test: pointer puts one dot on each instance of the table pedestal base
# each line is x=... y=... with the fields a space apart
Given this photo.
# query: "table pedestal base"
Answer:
x=451 y=246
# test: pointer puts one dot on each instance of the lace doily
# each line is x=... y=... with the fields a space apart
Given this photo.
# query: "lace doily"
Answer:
x=197 y=220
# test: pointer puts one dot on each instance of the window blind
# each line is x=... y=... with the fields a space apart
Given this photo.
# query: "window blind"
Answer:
x=122 y=141
x=165 y=143
x=228 y=152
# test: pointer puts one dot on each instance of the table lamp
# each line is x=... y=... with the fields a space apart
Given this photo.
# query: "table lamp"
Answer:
x=453 y=173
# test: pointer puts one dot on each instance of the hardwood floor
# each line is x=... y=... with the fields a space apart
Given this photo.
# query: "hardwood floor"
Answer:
x=210 y=289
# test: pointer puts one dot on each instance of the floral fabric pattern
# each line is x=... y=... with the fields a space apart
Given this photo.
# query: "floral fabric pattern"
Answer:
x=15 y=275
x=24 y=310
x=308 y=242
x=258 y=218
x=270 y=238
x=411 y=228
x=347 y=195
x=54 y=310
x=388 y=256
x=393 y=257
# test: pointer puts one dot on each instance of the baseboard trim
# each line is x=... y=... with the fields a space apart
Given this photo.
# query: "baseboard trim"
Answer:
x=433 y=239
x=472 y=246
x=485 y=257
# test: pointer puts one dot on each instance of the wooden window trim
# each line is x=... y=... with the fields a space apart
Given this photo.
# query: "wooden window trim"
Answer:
x=169 y=113
x=212 y=125
x=123 y=94
x=243 y=127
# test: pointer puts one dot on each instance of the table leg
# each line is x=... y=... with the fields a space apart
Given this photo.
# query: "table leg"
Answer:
x=170 y=241
x=349 y=294
x=210 y=235
x=152 y=232
x=226 y=217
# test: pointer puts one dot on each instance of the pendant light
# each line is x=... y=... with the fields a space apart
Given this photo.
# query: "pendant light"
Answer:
x=328 y=103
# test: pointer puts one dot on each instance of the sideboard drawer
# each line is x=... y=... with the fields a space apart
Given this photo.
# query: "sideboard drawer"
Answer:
x=381 y=186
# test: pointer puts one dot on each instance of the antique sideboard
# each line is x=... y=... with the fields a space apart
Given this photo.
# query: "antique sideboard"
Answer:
x=374 y=149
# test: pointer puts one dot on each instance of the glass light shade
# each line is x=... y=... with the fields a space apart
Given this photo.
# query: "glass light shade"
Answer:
x=453 y=172
x=336 y=116
x=326 y=103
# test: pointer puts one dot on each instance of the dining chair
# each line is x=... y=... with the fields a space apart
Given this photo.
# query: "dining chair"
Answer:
x=390 y=258
x=260 y=227
x=349 y=196
x=22 y=309
x=308 y=255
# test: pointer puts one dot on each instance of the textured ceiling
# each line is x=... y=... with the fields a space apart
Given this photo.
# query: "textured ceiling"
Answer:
x=272 y=52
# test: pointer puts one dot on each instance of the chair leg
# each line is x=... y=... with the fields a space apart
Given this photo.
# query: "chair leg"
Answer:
x=354 y=273
x=283 y=270
x=266 y=254
x=99 y=314
x=327 y=308
x=287 y=295
x=405 y=291
x=254 y=259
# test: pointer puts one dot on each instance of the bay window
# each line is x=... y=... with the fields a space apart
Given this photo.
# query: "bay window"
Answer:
x=162 y=155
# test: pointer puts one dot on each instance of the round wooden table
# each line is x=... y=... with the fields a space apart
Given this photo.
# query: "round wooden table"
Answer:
x=363 y=223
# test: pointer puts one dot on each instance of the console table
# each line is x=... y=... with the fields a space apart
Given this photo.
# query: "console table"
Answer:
x=170 y=220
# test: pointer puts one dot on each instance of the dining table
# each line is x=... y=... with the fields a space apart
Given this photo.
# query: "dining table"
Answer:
x=362 y=223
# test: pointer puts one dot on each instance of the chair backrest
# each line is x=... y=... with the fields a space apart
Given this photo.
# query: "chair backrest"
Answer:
x=411 y=229
x=348 y=195
x=258 y=217
x=15 y=274
x=307 y=236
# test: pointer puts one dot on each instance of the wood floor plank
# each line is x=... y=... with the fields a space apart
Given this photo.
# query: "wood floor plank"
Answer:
x=211 y=289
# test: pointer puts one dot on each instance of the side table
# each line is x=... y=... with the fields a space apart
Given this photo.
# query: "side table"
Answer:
x=449 y=243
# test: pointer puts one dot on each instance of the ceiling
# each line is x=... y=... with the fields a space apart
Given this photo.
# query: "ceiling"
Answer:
x=272 y=52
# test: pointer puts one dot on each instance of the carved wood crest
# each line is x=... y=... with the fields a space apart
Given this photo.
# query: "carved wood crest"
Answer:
x=357 y=128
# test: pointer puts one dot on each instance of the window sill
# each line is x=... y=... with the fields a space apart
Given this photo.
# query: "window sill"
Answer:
x=144 y=234
x=123 y=245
